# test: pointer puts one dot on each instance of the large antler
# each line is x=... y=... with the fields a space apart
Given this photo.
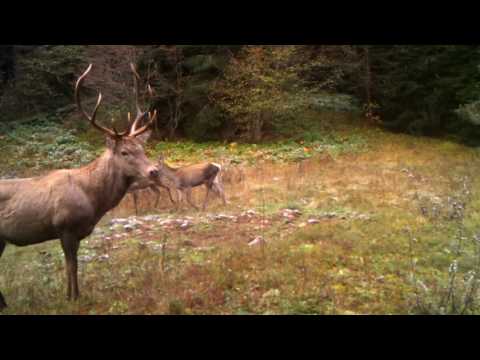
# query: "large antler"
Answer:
x=91 y=118
x=151 y=119
x=140 y=114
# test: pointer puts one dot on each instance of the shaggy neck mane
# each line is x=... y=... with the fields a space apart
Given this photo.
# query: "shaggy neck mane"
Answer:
x=104 y=183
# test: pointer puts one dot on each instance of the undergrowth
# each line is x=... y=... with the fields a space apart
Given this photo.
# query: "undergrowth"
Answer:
x=40 y=145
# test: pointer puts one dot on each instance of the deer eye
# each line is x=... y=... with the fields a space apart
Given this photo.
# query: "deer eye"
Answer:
x=124 y=153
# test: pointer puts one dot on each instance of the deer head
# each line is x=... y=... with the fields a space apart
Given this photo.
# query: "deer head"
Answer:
x=126 y=147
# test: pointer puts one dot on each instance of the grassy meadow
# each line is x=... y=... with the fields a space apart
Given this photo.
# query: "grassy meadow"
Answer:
x=353 y=220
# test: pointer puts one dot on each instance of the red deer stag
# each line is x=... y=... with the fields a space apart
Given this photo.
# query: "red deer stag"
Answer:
x=67 y=204
x=187 y=177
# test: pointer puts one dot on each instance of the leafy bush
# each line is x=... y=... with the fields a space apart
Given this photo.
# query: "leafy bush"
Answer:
x=470 y=112
x=335 y=102
x=260 y=90
x=205 y=124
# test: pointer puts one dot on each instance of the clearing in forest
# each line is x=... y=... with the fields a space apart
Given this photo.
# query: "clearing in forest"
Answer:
x=363 y=232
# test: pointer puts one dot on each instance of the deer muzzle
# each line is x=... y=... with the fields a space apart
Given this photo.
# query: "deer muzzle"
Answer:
x=153 y=172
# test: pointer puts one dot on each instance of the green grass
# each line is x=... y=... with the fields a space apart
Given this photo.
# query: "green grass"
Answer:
x=387 y=222
x=278 y=152
x=42 y=143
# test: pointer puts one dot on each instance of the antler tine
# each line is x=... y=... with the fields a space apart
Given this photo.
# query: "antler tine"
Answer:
x=132 y=123
x=140 y=113
x=152 y=118
x=136 y=79
x=133 y=127
x=150 y=90
x=91 y=119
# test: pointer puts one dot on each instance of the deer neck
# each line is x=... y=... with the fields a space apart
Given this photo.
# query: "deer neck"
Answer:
x=170 y=173
x=105 y=184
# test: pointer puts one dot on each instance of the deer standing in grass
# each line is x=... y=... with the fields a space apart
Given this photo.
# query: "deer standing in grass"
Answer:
x=67 y=204
x=183 y=180
x=158 y=182
x=187 y=177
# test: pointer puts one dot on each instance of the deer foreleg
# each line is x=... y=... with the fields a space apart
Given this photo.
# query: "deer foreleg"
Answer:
x=70 y=247
x=219 y=190
x=170 y=196
x=157 y=192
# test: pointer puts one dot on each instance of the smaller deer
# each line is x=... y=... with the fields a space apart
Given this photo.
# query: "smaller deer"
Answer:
x=161 y=181
x=187 y=177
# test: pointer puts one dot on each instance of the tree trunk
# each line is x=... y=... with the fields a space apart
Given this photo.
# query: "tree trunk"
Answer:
x=368 y=76
x=257 y=128
x=368 y=86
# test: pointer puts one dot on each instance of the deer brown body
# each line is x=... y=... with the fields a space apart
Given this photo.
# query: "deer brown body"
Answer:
x=160 y=182
x=187 y=177
x=67 y=204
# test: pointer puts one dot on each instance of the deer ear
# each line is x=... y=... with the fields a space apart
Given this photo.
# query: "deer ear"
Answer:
x=143 y=138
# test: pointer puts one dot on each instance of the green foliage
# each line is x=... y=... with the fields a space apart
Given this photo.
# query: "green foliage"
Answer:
x=470 y=112
x=335 y=103
x=209 y=118
x=42 y=143
x=232 y=92
x=260 y=89
x=304 y=146
x=182 y=76
x=337 y=69
x=418 y=88
x=44 y=81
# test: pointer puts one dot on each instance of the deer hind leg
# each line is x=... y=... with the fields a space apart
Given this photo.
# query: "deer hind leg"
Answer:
x=70 y=245
x=219 y=190
x=208 y=186
x=189 y=197
x=3 y=304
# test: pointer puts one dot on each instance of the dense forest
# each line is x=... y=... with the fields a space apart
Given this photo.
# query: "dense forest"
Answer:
x=232 y=92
